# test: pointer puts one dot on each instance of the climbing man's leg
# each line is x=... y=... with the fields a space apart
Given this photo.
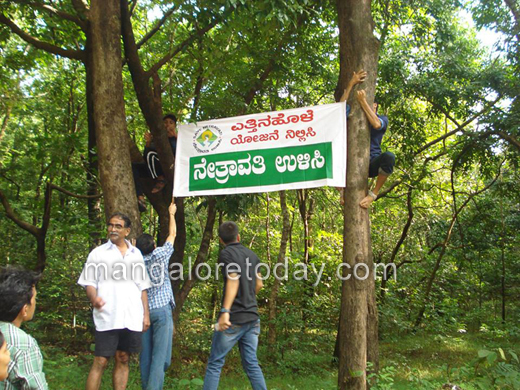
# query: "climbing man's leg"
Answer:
x=381 y=166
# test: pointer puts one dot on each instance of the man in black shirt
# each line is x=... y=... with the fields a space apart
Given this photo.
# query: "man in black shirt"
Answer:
x=239 y=320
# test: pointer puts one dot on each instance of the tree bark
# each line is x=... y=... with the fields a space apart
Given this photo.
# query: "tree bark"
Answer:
x=149 y=98
x=358 y=50
x=109 y=112
x=150 y=102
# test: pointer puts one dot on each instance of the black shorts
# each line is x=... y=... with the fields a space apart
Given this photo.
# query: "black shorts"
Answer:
x=110 y=341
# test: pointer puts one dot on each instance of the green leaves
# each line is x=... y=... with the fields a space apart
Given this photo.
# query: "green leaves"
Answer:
x=490 y=356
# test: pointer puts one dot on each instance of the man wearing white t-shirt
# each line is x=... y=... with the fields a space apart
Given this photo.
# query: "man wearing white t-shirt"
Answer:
x=116 y=281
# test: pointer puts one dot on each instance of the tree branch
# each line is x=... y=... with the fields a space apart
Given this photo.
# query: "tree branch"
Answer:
x=459 y=127
x=67 y=192
x=516 y=14
x=48 y=47
x=187 y=42
x=56 y=12
x=509 y=138
x=406 y=228
x=35 y=231
x=82 y=8
x=270 y=66
x=156 y=28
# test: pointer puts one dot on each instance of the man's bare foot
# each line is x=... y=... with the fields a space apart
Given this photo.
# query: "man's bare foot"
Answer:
x=367 y=200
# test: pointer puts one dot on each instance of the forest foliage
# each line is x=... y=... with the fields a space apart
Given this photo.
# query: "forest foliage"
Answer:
x=448 y=218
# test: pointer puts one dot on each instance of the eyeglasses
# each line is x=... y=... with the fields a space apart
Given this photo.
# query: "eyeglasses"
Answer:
x=116 y=226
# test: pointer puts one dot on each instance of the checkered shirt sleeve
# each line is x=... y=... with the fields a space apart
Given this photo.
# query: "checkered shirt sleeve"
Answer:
x=25 y=371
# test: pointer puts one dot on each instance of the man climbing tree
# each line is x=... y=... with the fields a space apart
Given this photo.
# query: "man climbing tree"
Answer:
x=381 y=164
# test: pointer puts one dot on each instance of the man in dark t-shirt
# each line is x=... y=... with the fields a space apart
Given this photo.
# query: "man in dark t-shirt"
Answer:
x=381 y=164
x=238 y=321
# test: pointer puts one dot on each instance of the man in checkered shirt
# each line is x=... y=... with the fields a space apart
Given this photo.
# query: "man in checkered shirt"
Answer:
x=156 y=354
x=17 y=305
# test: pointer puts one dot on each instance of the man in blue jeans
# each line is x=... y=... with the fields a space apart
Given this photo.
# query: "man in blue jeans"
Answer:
x=156 y=354
x=239 y=321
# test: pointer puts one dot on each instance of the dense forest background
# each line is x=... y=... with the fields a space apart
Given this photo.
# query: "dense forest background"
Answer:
x=448 y=219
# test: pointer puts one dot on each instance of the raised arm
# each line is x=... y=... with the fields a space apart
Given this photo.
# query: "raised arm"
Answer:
x=375 y=122
x=357 y=78
x=172 y=227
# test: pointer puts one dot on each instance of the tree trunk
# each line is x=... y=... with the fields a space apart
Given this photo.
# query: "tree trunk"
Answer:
x=109 y=112
x=5 y=121
x=182 y=294
x=400 y=242
x=373 y=319
x=306 y=206
x=150 y=102
x=93 y=204
x=180 y=239
x=358 y=50
x=271 y=338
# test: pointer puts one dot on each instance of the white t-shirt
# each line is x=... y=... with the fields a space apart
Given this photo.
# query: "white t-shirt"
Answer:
x=119 y=281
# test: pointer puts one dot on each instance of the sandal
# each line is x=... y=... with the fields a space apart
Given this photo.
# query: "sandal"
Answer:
x=158 y=186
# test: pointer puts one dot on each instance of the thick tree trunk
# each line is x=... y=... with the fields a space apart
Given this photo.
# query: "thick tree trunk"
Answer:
x=109 y=112
x=150 y=102
x=271 y=338
x=358 y=50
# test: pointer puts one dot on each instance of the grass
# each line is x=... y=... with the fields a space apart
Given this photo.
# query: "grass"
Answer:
x=418 y=361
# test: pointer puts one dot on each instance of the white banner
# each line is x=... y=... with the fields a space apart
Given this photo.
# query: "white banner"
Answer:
x=272 y=151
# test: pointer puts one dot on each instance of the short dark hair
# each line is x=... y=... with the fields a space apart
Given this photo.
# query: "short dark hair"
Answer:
x=171 y=116
x=145 y=244
x=228 y=232
x=122 y=216
x=16 y=291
